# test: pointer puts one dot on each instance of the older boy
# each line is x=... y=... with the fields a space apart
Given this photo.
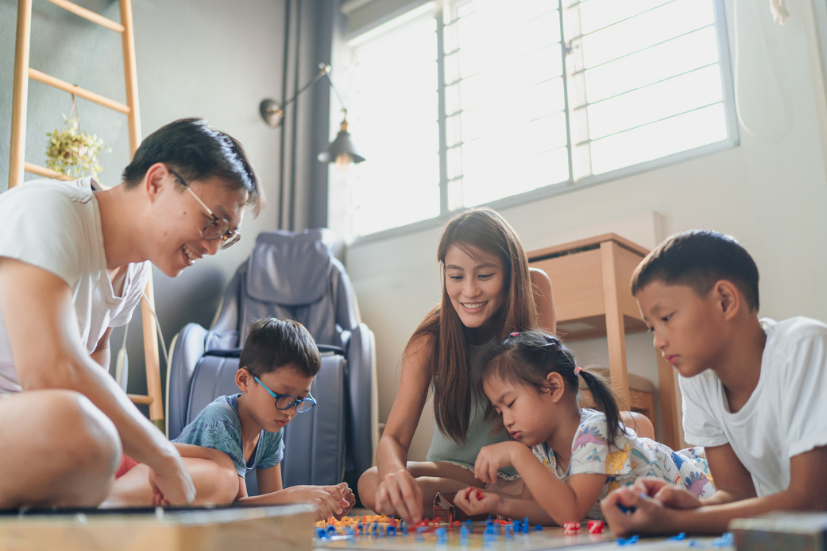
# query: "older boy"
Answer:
x=276 y=369
x=753 y=391
x=74 y=260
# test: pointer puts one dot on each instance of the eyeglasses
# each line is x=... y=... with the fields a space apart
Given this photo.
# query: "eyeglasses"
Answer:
x=217 y=228
x=285 y=401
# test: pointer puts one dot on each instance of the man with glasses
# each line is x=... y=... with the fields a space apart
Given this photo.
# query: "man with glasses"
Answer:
x=74 y=261
x=276 y=368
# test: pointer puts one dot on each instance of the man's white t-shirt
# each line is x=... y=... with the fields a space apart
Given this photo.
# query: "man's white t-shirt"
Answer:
x=56 y=226
x=786 y=414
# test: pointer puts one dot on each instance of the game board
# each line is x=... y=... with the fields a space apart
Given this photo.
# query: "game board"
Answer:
x=534 y=540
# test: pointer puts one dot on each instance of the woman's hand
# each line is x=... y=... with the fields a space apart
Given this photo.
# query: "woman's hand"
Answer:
x=494 y=457
x=399 y=494
x=474 y=501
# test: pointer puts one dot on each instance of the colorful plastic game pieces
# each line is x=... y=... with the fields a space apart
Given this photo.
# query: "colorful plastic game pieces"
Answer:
x=463 y=535
x=628 y=541
x=538 y=528
x=441 y=536
x=331 y=530
x=596 y=526
x=509 y=531
x=390 y=531
x=320 y=533
x=571 y=528
x=419 y=530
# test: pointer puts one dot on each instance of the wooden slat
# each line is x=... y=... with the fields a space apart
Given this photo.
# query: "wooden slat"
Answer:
x=139 y=399
x=20 y=93
x=131 y=75
x=89 y=15
x=77 y=90
x=45 y=172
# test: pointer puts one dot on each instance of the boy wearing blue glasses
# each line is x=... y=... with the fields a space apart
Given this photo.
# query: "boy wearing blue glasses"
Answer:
x=276 y=368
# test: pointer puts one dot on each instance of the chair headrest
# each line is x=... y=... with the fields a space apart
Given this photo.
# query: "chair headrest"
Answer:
x=290 y=268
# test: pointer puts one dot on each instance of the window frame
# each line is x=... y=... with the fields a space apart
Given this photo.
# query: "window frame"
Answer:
x=560 y=188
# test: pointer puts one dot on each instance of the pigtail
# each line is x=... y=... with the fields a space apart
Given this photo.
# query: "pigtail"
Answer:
x=605 y=401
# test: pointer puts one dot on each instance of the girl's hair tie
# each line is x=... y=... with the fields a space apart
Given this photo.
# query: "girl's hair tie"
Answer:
x=514 y=334
x=577 y=370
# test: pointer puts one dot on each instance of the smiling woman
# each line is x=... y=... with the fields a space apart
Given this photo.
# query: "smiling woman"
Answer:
x=487 y=294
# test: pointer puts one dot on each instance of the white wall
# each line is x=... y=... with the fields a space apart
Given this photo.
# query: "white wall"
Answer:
x=770 y=193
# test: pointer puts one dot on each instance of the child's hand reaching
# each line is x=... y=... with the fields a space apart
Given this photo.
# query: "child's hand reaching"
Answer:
x=494 y=457
x=330 y=501
x=474 y=501
x=668 y=494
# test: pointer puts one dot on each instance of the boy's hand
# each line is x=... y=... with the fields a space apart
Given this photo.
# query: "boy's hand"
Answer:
x=347 y=496
x=474 y=501
x=329 y=500
x=644 y=515
x=494 y=457
x=669 y=495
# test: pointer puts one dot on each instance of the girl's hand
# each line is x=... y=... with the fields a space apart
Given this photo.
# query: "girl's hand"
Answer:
x=474 y=501
x=669 y=495
x=399 y=494
x=494 y=457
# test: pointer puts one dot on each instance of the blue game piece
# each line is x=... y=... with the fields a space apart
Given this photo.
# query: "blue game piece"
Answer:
x=405 y=528
x=489 y=540
x=538 y=528
x=626 y=510
x=679 y=537
x=391 y=531
x=320 y=533
x=349 y=531
x=489 y=529
x=509 y=531
x=419 y=530
x=463 y=535
x=518 y=527
x=441 y=535
x=331 y=530
x=628 y=541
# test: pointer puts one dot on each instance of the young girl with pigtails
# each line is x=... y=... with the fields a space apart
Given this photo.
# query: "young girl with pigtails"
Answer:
x=569 y=458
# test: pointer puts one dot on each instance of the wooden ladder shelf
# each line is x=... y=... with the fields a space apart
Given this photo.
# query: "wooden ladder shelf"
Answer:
x=18 y=165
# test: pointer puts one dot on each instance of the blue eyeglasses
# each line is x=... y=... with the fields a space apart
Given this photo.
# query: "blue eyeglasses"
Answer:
x=285 y=401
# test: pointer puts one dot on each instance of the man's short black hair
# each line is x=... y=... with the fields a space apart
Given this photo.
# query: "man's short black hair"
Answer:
x=273 y=344
x=699 y=259
x=197 y=151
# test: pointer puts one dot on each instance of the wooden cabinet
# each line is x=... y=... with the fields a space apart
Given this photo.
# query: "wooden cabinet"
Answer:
x=592 y=297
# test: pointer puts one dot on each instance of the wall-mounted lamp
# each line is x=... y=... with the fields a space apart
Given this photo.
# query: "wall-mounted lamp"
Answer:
x=341 y=150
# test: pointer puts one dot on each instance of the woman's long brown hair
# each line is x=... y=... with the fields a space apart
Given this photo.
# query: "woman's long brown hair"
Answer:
x=474 y=231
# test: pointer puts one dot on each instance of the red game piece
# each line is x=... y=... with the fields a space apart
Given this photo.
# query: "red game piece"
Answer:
x=479 y=494
x=571 y=528
x=468 y=493
x=596 y=526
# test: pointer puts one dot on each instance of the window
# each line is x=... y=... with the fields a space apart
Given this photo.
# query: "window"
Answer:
x=465 y=103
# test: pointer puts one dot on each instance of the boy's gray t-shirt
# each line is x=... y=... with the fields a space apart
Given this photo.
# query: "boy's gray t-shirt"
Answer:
x=218 y=426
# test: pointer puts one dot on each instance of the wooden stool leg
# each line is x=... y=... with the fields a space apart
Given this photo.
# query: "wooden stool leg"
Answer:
x=668 y=403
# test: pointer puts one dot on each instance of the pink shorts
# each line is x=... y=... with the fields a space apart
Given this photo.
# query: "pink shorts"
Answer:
x=127 y=464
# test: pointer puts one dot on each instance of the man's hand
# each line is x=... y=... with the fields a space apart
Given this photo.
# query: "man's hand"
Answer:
x=172 y=485
x=494 y=457
x=474 y=501
x=399 y=494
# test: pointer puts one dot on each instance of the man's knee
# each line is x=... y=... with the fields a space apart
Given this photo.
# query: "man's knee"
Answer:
x=82 y=436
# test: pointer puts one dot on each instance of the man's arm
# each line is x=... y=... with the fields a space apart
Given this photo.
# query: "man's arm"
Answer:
x=807 y=492
x=41 y=324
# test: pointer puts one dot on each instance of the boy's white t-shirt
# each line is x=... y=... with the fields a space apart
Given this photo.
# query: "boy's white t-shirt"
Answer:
x=56 y=226
x=786 y=414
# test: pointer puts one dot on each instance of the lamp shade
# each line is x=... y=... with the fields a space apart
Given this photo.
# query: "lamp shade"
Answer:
x=341 y=150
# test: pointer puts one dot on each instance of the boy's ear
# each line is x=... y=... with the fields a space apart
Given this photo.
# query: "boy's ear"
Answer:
x=243 y=379
x=728 y=298
x=555 y=385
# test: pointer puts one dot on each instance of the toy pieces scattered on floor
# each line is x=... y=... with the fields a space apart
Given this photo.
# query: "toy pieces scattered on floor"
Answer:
x=491 y=534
